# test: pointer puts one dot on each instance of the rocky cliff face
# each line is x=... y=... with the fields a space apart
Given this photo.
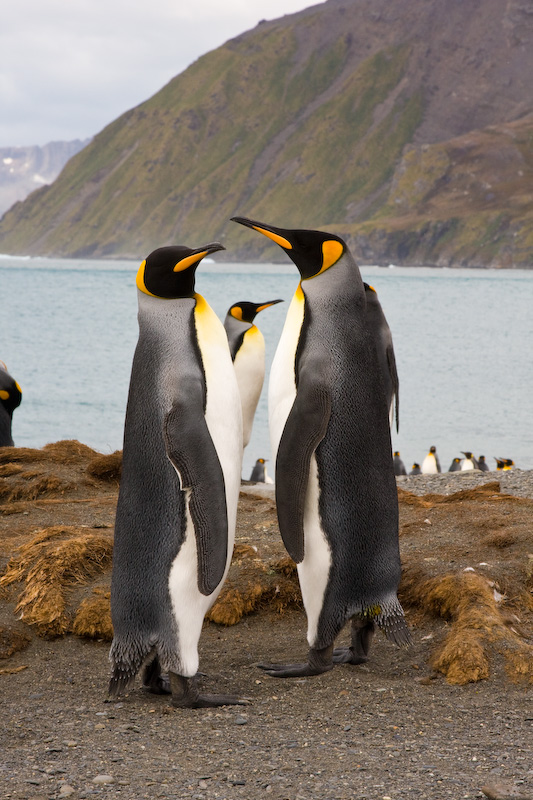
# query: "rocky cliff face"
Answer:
x=406 y=127
x=24 y=169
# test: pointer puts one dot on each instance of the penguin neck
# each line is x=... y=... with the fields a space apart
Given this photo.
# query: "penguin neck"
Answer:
x=340 y=285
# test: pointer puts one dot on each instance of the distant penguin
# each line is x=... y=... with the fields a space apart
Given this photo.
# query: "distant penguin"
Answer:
x=469 y=462
x=338 y=514
x=247 y=347
x=181 y=474
x=378 y=325
x=482 y=464
x=455 y=466
x=431 y=463
x=399 y=467
x=500 y=463
x=10 y=399
x=259 y=472
x=508 y=463
x=415 y=470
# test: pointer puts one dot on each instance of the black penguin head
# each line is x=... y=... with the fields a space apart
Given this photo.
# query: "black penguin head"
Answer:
x=481 y=459
x=396 y=454
x=245 y=311
x=467 y=454
x=432 y=449
x=10 y=391
x=313 y=252
x=169 y=272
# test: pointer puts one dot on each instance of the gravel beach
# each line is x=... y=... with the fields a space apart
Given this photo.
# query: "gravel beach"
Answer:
x=392 y=729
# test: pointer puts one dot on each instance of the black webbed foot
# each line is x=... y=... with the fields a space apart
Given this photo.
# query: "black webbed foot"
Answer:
x=185 y=694
x=153 y=681
x=318 y=661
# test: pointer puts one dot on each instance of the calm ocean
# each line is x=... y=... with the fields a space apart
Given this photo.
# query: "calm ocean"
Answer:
x=462 y=338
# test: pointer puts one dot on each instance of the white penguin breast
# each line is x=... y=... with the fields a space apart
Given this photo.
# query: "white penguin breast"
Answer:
x=282 y=382
x=429 y=464
x=249 y=367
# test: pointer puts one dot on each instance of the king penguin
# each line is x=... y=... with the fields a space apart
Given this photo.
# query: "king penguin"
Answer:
x=378 y=325
x=336 y=493
x=469 y=462
x=399 y=466
x=482 y=464
x=181 y=472
x=415 y=469
x=455 y=466
x=10 y=399
x=431 y=463
x=247 y=347
x=259 y=472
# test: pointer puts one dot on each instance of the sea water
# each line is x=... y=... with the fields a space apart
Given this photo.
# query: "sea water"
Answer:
x=462 y=340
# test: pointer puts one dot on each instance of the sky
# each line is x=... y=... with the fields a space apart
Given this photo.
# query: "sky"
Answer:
x=70 y=67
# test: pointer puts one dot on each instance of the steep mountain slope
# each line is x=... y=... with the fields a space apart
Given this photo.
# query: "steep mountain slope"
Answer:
x=347 y=115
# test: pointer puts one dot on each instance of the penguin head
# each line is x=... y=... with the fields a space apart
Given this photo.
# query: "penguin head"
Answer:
x=433 y=449
x=245 y=311
x=169 y=272
x=467 y=454
x=313 y=252
x=396 y=454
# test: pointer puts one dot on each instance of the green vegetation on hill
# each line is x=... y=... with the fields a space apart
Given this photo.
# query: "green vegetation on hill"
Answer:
x=357 y=118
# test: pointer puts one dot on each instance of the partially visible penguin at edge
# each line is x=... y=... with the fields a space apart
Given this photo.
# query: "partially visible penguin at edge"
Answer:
x=10 y=399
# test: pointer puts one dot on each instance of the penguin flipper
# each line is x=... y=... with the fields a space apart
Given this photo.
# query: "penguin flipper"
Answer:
x=191 y=451
x=393 y=372
x=304 y=430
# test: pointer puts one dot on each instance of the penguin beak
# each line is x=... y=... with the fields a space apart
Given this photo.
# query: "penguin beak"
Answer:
x=267 y=305
x=214 y=247
x=277 y=235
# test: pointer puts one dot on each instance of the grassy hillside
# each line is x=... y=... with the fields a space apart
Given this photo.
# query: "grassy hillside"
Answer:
x=384 y=122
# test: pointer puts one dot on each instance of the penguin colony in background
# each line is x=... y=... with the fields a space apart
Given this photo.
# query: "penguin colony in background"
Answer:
x=333 y=387
x=10 y=399
x=431 y=464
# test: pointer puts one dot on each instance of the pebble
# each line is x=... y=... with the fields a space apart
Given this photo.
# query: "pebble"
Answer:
x=241 y=721
x=66 y=790
x=100 y=779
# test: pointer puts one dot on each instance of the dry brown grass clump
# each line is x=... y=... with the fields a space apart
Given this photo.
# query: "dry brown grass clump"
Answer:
x=499 y=539
x=93 y=617
x=39 y=487
x=50 y=564
x=67 y=451
x=256 y=586
x=106 y=467
x=467 y=601
x=6 y=470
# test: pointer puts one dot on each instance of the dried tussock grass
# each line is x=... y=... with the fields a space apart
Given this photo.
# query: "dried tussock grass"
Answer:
x=467 y=601
x=258 y=586
x=67 y=451
x=6 y=470
x=50 y=564
x=93 y=617
x=499 y=539
x=106 y=467
x=39 y=487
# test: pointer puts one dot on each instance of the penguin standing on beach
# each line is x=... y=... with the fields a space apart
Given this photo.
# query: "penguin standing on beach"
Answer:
x=181 y=473
x=431 y=463
x=399 y=466
x=469 y=462
x=259 y=472
x=378 y=325
x=10 y=399
x=247 y=347
x=455 y=466
x=482 y=464
x=415 y=469
x=336 y=493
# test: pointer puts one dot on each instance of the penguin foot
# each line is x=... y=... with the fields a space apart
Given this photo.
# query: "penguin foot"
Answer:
x=347 y=655
x=185 y=694
x=153 y=681
x=318 y=661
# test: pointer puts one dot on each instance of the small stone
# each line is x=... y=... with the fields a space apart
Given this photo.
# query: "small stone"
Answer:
x=241 y=721
x=100 y=779
x=500 y=791
x=70 y=743
x=202 y=785
x=66 y=790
